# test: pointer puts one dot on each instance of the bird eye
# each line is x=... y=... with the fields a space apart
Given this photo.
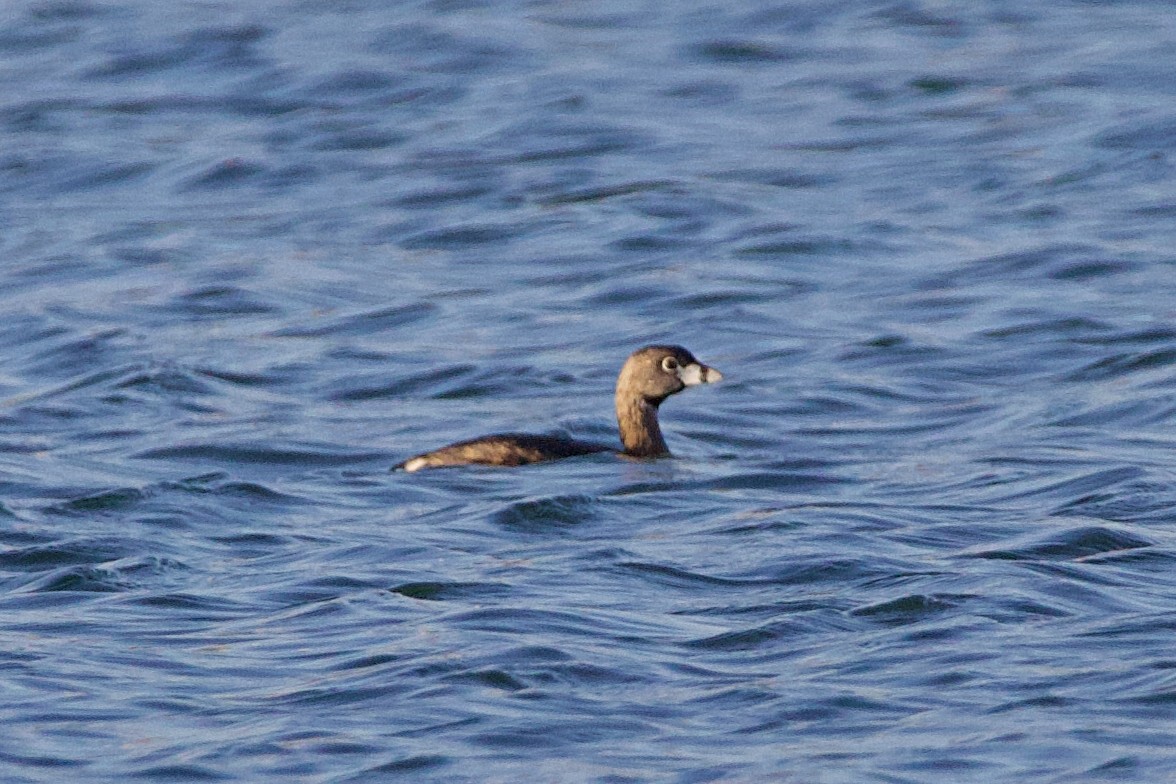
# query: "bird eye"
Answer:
x=670 y=365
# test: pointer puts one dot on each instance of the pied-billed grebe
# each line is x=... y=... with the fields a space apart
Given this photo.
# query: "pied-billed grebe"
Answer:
x=649 y=376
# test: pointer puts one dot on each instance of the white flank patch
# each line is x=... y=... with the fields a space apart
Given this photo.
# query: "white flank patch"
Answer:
x=416 y=464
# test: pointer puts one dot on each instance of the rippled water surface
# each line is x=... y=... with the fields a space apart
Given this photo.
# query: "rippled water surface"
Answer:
x=254 y=254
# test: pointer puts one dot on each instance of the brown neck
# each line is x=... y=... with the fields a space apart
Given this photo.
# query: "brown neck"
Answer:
x=640 y=432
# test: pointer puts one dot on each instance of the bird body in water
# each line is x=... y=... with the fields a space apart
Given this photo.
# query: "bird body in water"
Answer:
x=649 y=376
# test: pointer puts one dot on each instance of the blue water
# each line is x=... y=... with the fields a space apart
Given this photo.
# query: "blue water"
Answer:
x=254 y=254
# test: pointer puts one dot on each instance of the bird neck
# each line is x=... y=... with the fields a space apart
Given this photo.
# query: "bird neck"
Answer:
x=640 y=432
